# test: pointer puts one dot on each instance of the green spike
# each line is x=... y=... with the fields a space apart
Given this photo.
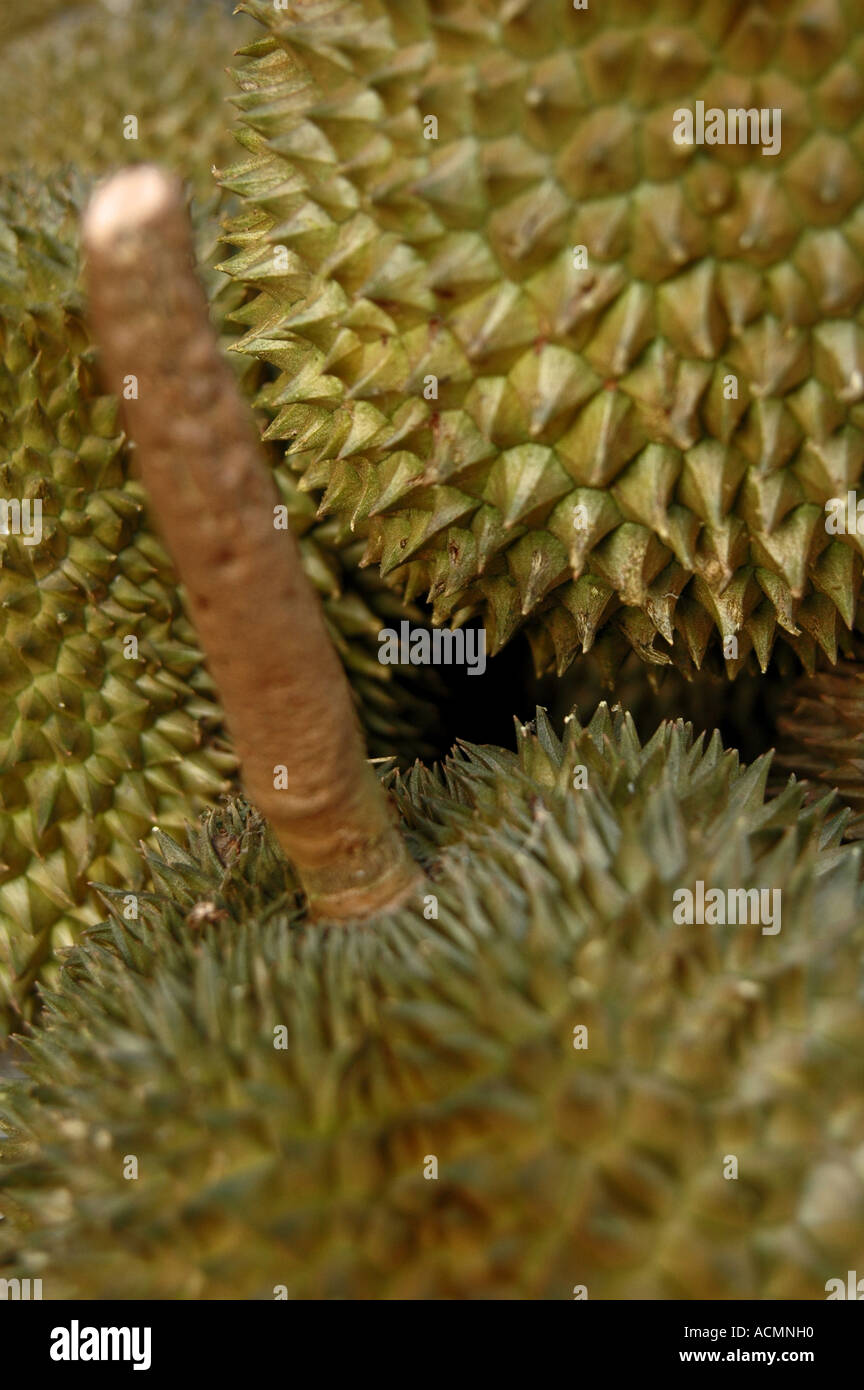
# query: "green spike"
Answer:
x=551 y=898
x=618 y=302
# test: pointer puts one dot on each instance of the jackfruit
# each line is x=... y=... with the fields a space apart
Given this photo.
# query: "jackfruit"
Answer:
x=560 y=370
x=529 y=1081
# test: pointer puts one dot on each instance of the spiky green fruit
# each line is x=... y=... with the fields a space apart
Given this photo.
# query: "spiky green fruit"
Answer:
x=165 y=65
x=821 y=735
x=99 y=740
x=127 y=82
x=284 y=1088
x=109 y=722
x=745 y=712
x=639 y=449
x=95 y=749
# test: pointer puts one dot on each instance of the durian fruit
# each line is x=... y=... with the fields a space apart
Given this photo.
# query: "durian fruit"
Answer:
x=406 y=1109
x=96 y=748
x=126 y=80
x=529 y=1077
x=109 y=60
x=96 y=745
x=820 y=732
x=400 y=706
x=109 y=724
x=647 y=355
x=745 y=711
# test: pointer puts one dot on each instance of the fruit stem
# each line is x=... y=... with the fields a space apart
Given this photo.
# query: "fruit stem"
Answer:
x=287 y=701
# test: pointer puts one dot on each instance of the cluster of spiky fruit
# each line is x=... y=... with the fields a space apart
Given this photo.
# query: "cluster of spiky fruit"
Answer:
x=634 y=445
x=98 y=746
x=286 y=1087
x=529 y=1078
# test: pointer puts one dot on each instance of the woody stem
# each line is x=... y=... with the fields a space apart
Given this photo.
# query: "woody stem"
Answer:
x=286 y=699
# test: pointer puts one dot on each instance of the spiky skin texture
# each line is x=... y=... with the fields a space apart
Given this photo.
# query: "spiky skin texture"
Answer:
x=97 y=747
x=560 y=387
x=815 y=722
x=303 y=1165
x=163 y=62
x=821 y=735
x=743 y=712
